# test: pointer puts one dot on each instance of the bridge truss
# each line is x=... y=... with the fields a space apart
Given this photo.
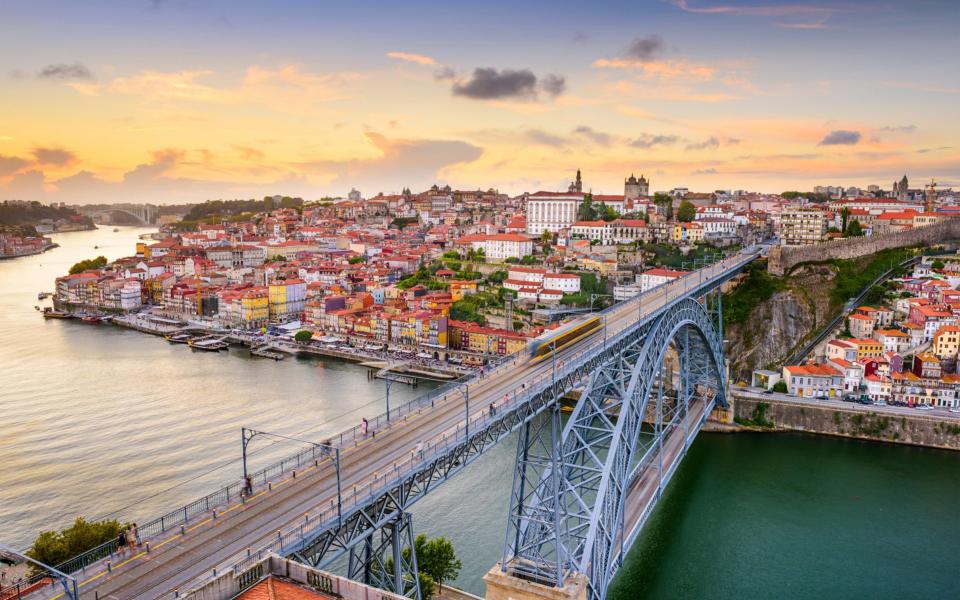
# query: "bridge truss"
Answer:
x=567 y=510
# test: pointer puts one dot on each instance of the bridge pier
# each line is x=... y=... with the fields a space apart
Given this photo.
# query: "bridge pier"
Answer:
x=503 y=586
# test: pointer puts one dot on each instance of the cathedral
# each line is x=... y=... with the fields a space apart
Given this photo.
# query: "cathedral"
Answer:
x=633 y=188
x=901 y=189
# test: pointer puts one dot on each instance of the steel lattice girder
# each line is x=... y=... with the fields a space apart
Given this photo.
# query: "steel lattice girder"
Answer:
x=391 y=562
x=598 y=447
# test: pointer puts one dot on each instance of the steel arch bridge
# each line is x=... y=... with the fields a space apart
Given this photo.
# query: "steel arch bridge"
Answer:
x=568 y=502
x=568 y=510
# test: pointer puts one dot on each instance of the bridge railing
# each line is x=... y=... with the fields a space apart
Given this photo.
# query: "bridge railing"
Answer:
x=200 y=506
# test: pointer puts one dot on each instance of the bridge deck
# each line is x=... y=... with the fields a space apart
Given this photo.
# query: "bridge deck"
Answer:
x=176 y=562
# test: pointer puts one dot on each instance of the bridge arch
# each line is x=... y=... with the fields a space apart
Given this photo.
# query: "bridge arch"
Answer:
x=574 y=519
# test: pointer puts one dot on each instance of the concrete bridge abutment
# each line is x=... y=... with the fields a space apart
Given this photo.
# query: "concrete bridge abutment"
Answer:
x=503 y=586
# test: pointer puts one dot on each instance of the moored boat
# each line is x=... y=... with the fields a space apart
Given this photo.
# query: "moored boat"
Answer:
x=179 y=338
x=49 y=313
x=210 y=344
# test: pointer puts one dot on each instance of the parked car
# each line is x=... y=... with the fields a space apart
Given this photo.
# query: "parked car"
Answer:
x=923 y=407
x=879 y=403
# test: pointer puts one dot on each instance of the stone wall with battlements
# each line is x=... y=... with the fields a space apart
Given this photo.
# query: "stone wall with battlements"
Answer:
x=784 y=258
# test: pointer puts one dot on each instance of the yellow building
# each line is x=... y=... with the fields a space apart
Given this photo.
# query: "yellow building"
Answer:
x=866 y=347
x=677 y=232
x=946 y=342
x=460 y=288
x=255 y=307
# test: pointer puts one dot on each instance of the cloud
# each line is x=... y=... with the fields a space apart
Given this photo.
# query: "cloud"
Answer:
x=704 y=172
x=898 y=128
x=581 y=37
x=66 y=72
x=841 y=137
x=11 y=164
x=645 y=49
x=733 y=141
x=597 y=137
x=445 y=74
x=54 y=156
x=492 y=84
x=647 y=140
x=284 y=88
x=780 y=10
x=668 y=70
x=926 y=150
x=817 y=16
x=400 y=162
x=539 y=136
x=248 y=152
x=711 y=143
x=553 y=85
x=419 y=59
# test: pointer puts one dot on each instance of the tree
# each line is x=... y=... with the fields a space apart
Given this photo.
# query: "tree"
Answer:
x=780 y=387
x=86 y=265
x=586 y=211
x=844 y=216
x=355 y=260
x=607 y=213
x=665 y=203
x=497 y=277
x=303 y=336
x=686 y=212
x=427 y=586
x=854 y=229
x=54 y=547
x=438 y=559
x=937 y=265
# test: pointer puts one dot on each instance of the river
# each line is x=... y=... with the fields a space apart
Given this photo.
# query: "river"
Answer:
x=98 y=421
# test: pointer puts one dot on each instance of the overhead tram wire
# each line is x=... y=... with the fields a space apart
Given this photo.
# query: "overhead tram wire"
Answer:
x=230 y=462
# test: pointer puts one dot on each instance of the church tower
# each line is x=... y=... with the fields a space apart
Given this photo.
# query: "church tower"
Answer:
x=577 y=185
x=633 y=188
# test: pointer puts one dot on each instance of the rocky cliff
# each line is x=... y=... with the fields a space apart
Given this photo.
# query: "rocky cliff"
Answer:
x=779 y=324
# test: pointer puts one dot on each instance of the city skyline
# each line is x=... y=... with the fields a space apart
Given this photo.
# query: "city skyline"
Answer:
x=180 y=102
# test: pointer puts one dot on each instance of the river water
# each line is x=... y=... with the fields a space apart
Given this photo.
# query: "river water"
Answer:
x=100 y=421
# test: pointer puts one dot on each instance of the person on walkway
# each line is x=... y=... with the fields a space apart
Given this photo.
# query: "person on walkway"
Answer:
x=122 y=541
x=493 y=409
x=363 y=426
x=132 y=538
x=420 y=449
x=248 y=485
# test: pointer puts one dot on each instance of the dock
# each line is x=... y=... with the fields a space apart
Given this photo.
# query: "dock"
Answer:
x=267 y=352
x=395 y=377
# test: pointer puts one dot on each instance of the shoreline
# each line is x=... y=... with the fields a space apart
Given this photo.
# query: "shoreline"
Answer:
x=371 y=361
x=21 y=255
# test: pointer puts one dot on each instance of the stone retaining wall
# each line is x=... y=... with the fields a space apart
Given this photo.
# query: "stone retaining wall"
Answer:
x=853 y=422
x=783 y=258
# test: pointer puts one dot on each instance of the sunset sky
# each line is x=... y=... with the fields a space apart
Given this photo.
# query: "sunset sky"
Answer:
x=185 y=100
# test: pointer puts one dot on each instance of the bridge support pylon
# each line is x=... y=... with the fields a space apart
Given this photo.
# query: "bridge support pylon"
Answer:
x=580 y=498
x=386 y=559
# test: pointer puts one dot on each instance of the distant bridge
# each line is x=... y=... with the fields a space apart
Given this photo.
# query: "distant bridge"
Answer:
x=649 y=377
x=144 y=214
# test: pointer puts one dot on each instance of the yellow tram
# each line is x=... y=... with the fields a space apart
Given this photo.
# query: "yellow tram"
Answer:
x=560 y=338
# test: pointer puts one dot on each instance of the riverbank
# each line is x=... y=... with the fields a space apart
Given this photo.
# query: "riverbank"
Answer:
x=890 y=424
x=33 y=252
